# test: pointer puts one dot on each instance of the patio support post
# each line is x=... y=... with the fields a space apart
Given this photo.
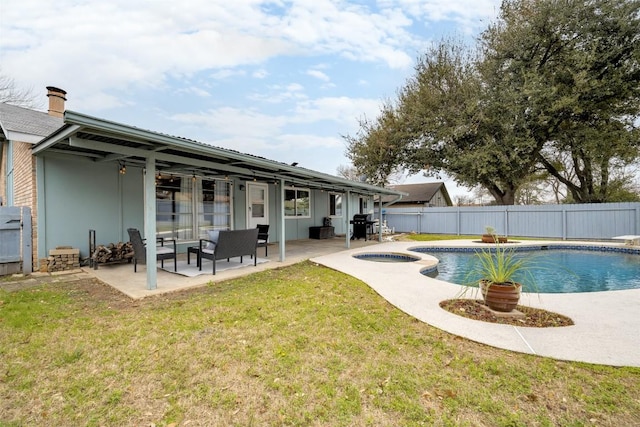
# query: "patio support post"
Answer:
x=347 y=201
x=281 y=243
x=150 y=220
x=379 y=218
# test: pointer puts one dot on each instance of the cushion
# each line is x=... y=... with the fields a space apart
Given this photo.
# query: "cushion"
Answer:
x=161 y=250
x=213 y=236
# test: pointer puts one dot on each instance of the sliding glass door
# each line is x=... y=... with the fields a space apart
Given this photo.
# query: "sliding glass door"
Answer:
x=187 y=207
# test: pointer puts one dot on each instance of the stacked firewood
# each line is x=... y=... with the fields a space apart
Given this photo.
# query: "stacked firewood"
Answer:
x=113 y=252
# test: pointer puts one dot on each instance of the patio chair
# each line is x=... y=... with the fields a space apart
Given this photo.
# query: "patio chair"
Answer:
x=263 y=236
x=140 y=251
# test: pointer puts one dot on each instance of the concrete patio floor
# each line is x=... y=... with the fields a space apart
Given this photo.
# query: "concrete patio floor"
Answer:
x=606 y=329
x=123 y=278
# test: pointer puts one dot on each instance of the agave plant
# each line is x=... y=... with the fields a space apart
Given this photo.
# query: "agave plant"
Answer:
x=499 y=265
x=499 y=273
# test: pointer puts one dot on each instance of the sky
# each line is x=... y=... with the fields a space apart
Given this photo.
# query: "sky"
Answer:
x=285 y=80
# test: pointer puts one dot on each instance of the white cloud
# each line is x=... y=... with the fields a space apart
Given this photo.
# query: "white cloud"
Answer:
x=242 y=123
x=298 y=142
x=260 y=74
x=136 y=43
x=341 y=110
x=318 y=75
x=277 y=94
x=469 y=14
x=233 y=63
x=193 y=90
x=97 y=101
x=226 y=73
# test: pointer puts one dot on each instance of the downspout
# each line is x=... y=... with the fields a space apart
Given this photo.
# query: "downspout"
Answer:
x=386 y=205
x=9 y=176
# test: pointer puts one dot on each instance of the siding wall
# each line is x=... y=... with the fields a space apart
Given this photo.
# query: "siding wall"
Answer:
x=577 y=221
x=78 y=195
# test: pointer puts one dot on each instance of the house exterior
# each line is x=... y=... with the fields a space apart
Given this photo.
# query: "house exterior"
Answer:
x=79 y=173
x=431 y=194
x=21 y=129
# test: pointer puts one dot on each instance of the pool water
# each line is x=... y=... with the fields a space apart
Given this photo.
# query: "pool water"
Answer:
x=554 y=270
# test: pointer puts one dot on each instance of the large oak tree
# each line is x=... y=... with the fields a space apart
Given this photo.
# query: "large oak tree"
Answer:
x=549 y=79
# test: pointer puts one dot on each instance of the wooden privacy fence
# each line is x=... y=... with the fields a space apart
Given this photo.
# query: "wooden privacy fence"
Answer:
x=577 y=221
x=15 y=240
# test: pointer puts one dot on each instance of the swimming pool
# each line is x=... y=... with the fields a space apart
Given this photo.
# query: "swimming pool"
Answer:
x=556 y=270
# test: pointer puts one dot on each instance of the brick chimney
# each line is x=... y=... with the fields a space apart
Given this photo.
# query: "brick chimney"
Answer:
x=56 y=101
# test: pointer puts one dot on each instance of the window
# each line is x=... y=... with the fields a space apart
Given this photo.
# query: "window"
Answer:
x=364 y=201
x=187 y=208
x=297 y=203
x=335 y=204
x=214 y=207
x=174 y=203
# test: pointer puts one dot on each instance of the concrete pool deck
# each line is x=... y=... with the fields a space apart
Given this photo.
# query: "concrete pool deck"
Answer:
x=607 y=324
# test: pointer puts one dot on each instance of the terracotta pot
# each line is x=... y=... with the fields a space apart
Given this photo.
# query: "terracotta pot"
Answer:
x=490 y=238
x=502 y=297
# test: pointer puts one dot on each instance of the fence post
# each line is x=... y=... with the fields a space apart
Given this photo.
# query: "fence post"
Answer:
x=27 y=241
x=506 y=221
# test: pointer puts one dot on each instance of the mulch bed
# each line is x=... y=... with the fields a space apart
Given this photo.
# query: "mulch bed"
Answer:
x=534 y=317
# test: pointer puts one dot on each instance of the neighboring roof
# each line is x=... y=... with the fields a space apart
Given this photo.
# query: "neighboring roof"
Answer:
x=421 y=193
x=105 y=141
x=25 y=125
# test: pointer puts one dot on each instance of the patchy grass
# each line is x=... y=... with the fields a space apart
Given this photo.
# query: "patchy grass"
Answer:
x=302 y=345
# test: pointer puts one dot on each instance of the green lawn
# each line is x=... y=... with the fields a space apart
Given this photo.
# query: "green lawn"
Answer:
x=430 y=237
x=302 y=345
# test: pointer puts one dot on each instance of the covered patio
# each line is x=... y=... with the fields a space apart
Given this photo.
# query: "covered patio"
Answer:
x=98 y=174
x=122 y=277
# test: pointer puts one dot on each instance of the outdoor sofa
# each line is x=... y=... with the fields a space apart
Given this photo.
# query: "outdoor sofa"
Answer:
x=229 y=244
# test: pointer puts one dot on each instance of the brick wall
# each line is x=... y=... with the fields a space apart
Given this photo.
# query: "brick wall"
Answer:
x=24 y=178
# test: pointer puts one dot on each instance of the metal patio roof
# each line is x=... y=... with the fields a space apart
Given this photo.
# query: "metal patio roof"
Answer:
x=101 y=140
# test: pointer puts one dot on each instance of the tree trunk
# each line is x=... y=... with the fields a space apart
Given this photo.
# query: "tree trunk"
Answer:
x=502 y=196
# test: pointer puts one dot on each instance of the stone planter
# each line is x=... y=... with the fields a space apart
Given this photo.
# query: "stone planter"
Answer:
x=502 y=297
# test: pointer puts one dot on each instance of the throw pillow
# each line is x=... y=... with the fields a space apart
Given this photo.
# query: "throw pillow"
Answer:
x=213 y=236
